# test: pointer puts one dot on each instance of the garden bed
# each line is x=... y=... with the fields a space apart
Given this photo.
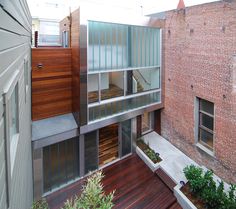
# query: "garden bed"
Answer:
x=196 y=201
x=203 y=192
x=148 y=155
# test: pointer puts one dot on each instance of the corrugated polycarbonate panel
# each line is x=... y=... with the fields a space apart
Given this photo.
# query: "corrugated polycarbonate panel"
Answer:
x=116 y=46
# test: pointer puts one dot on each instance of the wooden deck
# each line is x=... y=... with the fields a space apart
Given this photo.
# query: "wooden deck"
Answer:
x=136 y=187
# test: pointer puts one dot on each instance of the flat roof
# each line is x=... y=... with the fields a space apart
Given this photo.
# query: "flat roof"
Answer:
x=55 y=129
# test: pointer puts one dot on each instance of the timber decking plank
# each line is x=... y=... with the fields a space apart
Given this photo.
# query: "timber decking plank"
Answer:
x=137 y=187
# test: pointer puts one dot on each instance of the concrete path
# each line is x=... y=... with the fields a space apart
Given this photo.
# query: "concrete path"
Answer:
x=173 y=160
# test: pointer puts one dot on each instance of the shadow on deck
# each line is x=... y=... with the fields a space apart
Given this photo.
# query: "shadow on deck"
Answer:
x=135 y=184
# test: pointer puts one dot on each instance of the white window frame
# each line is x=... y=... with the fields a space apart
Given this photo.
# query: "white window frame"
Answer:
x=11 y=143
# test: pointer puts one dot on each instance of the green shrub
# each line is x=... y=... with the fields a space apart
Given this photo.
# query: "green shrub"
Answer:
x=214 y=197
x=92 y=196
x=203 y=186
x=40 y=204
x=195 y=178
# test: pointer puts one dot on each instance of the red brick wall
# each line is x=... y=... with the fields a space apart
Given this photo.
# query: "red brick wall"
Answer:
x=199 y=49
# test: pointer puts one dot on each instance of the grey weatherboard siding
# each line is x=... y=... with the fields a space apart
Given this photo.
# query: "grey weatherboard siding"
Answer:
x=15 y=69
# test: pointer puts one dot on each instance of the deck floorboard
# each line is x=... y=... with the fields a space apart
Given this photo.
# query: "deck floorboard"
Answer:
x=137 y=187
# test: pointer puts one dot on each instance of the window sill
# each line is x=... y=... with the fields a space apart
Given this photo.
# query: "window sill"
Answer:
x=204 y=149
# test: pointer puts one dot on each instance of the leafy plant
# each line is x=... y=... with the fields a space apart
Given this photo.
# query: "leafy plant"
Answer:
x=92 y=196
x=203 y=186
x=40 y=204
x=148 y=151
x=195 y=178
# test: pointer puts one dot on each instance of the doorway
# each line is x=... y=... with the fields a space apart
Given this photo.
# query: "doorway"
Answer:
x=108 y=144
x=115 y=142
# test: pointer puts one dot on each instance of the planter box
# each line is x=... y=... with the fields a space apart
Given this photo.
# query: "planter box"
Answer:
x=182 y=199
x=147 y=160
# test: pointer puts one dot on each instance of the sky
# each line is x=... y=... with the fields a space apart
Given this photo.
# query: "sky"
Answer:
x=58 y=9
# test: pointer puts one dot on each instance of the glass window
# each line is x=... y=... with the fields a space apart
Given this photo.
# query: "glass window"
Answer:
x=60 y=163
x=147 y=122
x=207 y=106
x=142 y=80
x=93 y=93
x=126 y=142
x=91 y=151
x=112 y=85
x=206 y=123
x=117 y=46
x=13 y=114
x=117 y=107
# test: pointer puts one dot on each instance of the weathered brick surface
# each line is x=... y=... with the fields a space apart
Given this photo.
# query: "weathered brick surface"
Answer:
x=200 y=45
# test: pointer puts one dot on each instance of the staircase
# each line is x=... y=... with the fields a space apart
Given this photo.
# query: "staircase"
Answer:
x=108 y=144
x=139 y=86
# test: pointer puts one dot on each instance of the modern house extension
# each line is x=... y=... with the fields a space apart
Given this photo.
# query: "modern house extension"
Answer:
x=111 y=87
x=78 y=106
x=115 y=78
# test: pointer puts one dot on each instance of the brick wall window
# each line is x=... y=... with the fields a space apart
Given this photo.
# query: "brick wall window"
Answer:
x=206 y=124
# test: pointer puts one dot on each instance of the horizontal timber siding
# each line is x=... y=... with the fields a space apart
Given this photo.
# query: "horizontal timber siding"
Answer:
x=51 y=84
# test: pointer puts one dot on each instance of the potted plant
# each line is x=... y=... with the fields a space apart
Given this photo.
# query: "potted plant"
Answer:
x=148 y=155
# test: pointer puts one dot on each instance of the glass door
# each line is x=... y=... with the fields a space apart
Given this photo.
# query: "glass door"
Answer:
x=125 y=145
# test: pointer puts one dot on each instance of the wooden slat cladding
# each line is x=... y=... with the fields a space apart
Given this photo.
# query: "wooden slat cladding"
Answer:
x=75 y=30
x=51 y=84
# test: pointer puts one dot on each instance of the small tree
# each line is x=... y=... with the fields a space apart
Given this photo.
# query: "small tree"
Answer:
x=92 y=196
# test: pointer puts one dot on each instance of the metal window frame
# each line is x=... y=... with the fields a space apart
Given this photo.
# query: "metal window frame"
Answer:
x=200 y=126
x=85 y=17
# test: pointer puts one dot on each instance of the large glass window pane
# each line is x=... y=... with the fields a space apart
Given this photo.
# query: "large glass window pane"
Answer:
x=126 y=138
x=93 y=93
x=112 y=85
x=207 y=106
x=91 y=151
x=55 y=172
x=142 y=80
x=206 y=138
x=60 y=163
x=146 y=122
x=206 y=121
x=116 y=107
x=116 y=46
x=46 y=169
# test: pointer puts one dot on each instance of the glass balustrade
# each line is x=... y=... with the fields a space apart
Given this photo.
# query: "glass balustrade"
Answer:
x=122 y=106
